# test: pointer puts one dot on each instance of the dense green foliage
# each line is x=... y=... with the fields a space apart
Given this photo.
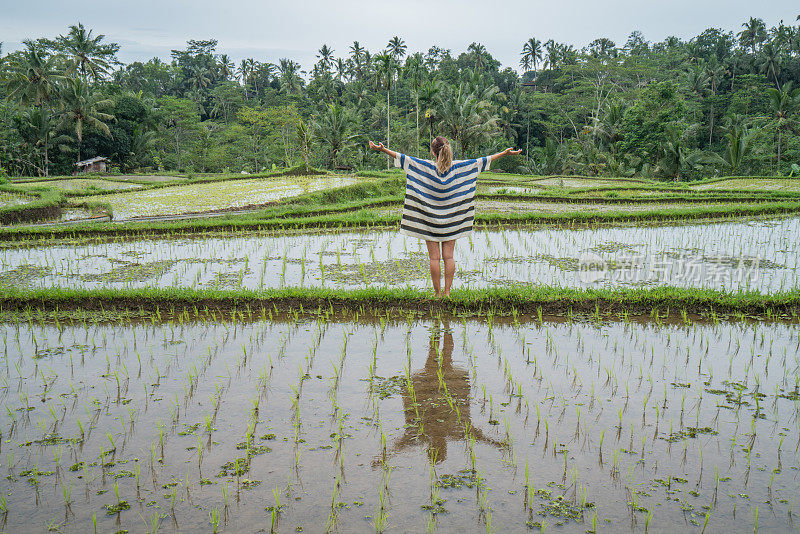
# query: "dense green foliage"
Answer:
x=722 y=103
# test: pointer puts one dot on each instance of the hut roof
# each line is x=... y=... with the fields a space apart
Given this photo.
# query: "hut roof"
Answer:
x=90 y=161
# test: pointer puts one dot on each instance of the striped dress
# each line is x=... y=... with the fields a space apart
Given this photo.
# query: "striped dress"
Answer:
x=439 y=207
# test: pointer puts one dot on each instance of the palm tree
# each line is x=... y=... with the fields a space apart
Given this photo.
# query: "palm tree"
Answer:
x=357 y=55
x=677 y=158
x=414 y=74
x=290 y=80
x=332 y=129
x=782 y=102
x=465 y=116
x=88 y=54
x=80 y=107
x=531 y=53
x=428 y=92
x=739 y=143
x=771 y=62
x=325 y=55
x=480 y=55
x=226 y=67
x=386 y=67
x=396 y=47
x=715 y=72
x=754 y=33
x=552 y=54
x=37 y=128
x=33 y=76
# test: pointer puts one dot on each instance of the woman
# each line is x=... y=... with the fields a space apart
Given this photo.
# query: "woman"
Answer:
x=440 y=202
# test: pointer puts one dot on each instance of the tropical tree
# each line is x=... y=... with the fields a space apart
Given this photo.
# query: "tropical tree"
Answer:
x=226 y=67
x=531 y=53
x=289 y=77
x=783 y=102
x=333 y=130
x=771 y=62
x=414 y=75
x=396 y=48
x=465 y=116
x=357 y=57
x=677 y=158
x=89 y=55
x=33 y=76
x=739 y=144
x=81 y=107
x=384 y=75
x=753 y=34
x=325 y=56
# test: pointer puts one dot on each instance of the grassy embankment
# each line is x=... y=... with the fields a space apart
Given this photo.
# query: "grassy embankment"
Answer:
x=661 y=302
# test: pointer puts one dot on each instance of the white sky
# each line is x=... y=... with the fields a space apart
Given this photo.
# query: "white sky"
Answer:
x=268 y=30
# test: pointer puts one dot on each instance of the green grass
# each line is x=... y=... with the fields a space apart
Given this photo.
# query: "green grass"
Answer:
x=45 y=204
x=525 y=299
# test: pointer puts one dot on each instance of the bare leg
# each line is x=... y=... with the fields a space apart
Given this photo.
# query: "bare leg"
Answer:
x=436 y=268
x=449 y=264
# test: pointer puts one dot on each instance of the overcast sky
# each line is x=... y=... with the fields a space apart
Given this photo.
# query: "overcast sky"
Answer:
x=268 y=30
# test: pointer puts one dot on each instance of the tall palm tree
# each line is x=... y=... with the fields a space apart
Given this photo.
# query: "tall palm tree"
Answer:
x=333 y=129
x=715 y=72
x=33 y=76
x=386 y=68
x=290 y=80
x=89 y=55
x=396 y=47
x=357 y=55
x=783 y=102
x=753 y=34
x=226 y=67
x=531 y=52
x=325 y=56
x=80 y=107
x=771 y=62
x=552 y=54
x=479 y=51
x=414 y=74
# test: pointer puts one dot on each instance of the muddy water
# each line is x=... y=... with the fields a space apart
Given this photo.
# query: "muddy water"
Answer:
x=755 y=255
x=437 y=420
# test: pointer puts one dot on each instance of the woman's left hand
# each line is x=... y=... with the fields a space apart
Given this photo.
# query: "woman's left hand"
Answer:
x=511 y=152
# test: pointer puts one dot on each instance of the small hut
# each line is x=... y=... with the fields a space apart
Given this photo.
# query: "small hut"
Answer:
x=97 y=164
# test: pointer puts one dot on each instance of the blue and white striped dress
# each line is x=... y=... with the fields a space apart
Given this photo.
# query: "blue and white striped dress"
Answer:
x=439 y=207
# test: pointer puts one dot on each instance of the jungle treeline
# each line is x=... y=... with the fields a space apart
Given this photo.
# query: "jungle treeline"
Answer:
x=726 y=102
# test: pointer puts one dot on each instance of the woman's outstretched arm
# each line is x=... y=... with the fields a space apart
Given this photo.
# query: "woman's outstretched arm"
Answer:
x=506 y=152
x=380 y=148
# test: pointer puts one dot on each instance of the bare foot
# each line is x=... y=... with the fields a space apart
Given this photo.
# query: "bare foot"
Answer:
x=446 y=294
x=437 y=295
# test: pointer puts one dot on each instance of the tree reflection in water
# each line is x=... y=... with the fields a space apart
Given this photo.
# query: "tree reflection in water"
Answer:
x=440 y=422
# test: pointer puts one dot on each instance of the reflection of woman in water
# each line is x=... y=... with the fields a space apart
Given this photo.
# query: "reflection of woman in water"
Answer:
x=440 y=422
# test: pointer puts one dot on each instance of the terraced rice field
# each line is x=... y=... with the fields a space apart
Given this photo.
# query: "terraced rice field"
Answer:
x=12 y=199
x=80 y=184
x=757 y=255
x=756 y=184
x=192 y=198
x=199 y=423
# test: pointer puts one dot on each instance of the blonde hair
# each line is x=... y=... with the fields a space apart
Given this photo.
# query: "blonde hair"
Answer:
x=441 y=148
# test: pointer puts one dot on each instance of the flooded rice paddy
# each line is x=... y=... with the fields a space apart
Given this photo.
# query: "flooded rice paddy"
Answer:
x=217 y=195
x=264 y=423
x=753 y=255
x=758 y=184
